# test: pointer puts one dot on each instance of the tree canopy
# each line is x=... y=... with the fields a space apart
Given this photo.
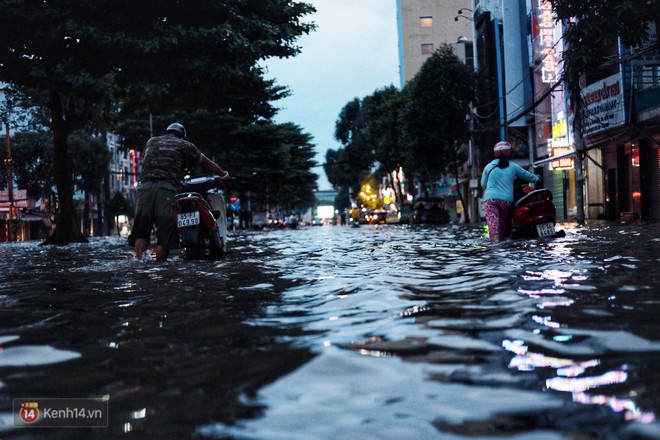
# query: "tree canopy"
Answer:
x=100 y=59
x=593 y=28
x=348 y=165
x=369 y=131
x=383 y=111
x=434 y=116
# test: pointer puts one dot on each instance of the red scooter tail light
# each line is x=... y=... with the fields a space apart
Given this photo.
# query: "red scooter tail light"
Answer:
x=185 y=205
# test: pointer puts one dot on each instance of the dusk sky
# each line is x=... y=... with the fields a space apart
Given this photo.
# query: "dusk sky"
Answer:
x=352 y=53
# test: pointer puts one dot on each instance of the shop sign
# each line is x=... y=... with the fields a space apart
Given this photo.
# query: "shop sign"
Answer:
x=547 y=39
x=560 y=147
x=604 y=105
x=559 y=129
x=19 y=199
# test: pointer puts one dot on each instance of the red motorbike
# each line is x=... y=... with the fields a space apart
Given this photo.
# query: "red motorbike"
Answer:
x=201 y=218
x=534 y=215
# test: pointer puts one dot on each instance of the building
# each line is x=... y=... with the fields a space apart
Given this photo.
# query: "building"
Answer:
x=20 y=217
x=423 y=26
x=121 y=188
x=612 y=170
x=426 y=24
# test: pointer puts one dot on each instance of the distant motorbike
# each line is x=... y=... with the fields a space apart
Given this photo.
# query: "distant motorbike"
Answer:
x=201 y=218
x=534 y=215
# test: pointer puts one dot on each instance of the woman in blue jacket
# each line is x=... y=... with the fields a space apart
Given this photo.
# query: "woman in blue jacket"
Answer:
x=497 y=179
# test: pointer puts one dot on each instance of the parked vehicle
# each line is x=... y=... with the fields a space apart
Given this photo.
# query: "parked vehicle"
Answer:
x=406 y=213
x=378 y=217
x=392 y=218
x=534 y=215
x=429 y=210
x=259 y=220
x=201 y=218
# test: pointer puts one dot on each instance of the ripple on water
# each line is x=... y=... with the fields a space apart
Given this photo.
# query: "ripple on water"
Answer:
x=388 y=332
x=31 y=355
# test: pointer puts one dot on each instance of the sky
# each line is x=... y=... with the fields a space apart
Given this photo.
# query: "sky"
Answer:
x=352 y=53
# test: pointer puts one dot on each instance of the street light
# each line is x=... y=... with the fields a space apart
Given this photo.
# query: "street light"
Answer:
x=10 y=192
x=460 y=14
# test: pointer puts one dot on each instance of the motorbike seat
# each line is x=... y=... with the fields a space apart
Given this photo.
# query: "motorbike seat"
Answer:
x=199 y=184
x=535 y=196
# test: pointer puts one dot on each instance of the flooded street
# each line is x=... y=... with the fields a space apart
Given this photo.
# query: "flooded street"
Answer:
x=334 y=332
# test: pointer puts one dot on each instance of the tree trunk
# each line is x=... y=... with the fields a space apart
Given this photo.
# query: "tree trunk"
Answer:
x=67 y=229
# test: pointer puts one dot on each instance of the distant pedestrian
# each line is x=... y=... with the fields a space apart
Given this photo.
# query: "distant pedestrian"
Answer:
x=497 y=179
x=164 y=161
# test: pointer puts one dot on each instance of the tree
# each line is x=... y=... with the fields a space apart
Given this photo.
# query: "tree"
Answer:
x=348 y=166
x=434 y=116
x=82 y=60
x=369 y=131
x=592 y=30
x=32 y=166
x=593 y=27
x=383 y=114
x=275 y=165
x=293 y=183
x=90 y=163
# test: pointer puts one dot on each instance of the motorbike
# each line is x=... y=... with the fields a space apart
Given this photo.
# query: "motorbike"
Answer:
x=534 y=215
x=201 y=218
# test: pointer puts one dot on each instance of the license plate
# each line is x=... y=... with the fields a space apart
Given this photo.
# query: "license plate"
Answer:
x=545 y=229
x=188 y=219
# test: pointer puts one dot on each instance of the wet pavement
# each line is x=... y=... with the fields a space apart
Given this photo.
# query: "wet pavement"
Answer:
x=376 y=332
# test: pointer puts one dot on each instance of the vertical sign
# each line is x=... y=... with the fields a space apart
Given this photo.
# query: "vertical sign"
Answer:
x=547 y=39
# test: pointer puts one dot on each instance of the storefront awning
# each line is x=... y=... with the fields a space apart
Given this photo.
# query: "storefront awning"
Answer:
x=27 y=217
x=22 y=216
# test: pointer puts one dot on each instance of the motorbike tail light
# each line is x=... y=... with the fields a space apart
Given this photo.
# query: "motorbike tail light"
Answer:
x=185 y=205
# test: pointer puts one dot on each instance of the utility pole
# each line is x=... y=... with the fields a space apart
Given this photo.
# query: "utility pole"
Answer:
x=474 y=169
x=10 y=186
x=579 y=174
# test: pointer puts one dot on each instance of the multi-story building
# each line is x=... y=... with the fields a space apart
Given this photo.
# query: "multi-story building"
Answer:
x=122 y=182
x=426 y=24
x=124 y=166
x=615 y=172
x=423 y=26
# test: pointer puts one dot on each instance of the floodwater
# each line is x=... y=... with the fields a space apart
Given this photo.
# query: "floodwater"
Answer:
x=334 y=332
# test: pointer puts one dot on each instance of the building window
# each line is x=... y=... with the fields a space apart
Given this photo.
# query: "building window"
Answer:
x=426 y=21
x=427 y=48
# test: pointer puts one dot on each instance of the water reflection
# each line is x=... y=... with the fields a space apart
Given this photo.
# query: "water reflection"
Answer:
x=574 y=377
x=389 y=332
